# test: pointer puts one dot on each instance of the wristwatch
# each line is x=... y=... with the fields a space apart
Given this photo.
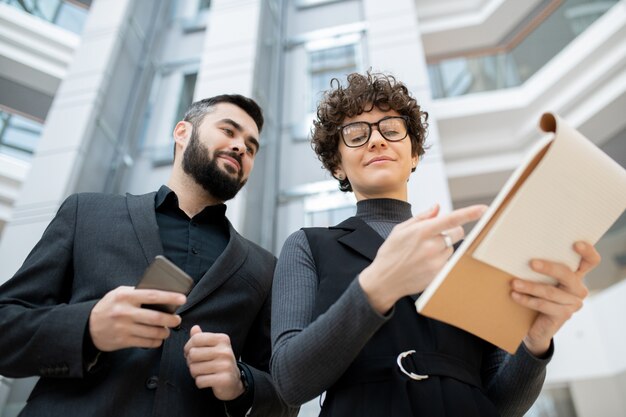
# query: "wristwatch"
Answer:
x=244 y=378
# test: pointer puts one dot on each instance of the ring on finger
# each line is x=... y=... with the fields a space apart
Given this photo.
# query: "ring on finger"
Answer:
x=446 y=239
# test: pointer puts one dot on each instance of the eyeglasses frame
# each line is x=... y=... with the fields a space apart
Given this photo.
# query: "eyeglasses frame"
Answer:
x=377 y=124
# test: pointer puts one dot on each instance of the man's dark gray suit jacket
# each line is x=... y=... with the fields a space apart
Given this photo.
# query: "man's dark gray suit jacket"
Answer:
x=96 y=243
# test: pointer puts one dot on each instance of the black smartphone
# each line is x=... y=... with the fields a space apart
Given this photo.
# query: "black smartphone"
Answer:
x=163 y=274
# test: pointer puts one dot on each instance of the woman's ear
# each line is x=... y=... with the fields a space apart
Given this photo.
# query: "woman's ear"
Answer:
x=339 y=174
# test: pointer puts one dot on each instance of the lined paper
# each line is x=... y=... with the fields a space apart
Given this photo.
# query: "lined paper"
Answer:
x=575 y=193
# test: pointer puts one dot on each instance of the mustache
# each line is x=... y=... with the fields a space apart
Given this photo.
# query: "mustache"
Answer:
x=233 y=155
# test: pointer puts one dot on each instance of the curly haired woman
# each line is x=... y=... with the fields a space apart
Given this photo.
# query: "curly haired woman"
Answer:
x=343 y=315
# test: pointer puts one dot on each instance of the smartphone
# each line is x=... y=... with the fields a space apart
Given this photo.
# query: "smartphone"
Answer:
x=162 y=274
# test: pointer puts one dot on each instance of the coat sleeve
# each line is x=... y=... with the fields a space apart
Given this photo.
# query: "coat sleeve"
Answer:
x=42 y=332
x=263 y=400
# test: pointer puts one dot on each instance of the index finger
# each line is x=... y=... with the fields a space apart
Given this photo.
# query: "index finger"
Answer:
x=454 y=219
x=145 y=296
x=206 y=340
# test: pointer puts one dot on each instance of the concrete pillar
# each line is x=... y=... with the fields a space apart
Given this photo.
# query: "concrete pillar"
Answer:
x=85 y=128
x=69 y=127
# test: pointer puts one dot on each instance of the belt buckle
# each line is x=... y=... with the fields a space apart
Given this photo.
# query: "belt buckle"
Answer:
x=411 y=375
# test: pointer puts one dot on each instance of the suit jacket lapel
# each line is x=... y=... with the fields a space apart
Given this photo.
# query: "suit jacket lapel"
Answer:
x=362 y=238
x=143 y=218
x=224 y=267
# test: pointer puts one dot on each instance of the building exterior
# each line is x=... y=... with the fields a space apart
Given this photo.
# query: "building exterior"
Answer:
x=90 y=91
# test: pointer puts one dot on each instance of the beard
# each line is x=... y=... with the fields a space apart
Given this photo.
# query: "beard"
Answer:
x=204 y=169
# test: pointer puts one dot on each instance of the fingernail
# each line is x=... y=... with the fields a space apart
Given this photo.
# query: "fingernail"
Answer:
x=518 y=285
x=580 y=246
x=537 y=264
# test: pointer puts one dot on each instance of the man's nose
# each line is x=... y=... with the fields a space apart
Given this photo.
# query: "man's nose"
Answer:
x=238 y=145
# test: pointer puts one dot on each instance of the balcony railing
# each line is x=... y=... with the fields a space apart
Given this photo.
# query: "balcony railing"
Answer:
x=70 y=15
x=551 y=27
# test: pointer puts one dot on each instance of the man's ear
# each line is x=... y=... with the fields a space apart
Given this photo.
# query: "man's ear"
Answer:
x=182 y=133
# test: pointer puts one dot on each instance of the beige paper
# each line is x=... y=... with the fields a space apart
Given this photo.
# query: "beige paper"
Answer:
x=561 y=173
x=575 y=193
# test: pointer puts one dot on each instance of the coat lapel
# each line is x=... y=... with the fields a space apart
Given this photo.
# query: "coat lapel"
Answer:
x=143 y=218
x=362 y=238
x=224 y=267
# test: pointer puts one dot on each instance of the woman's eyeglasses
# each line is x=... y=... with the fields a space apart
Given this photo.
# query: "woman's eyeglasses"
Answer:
x=392 y=128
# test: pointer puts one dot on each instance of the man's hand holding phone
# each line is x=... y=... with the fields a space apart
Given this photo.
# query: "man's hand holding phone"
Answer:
x=117 y=321
x=141 y=316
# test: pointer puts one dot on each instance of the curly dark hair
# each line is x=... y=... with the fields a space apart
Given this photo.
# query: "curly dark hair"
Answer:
x=362 y=94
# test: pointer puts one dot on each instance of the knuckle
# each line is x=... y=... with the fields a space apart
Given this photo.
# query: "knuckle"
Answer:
x=584 y=292
x=223 y=338
x=117 y=311
x=430 y=247
x=192 y=354
x=578 y=305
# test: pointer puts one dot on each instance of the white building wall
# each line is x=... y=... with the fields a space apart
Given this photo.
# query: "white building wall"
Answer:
x=71 y=120
x=589 y=348
x=395 y=45
x=228 y=59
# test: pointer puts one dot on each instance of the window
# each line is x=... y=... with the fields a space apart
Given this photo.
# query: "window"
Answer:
x=164 y=154
x=18 y=135
x=186 y=95
x=555 y=401
x=204 y=4
x=328 y=208
x=329 y=63
x=303 y=4
x=66 y=14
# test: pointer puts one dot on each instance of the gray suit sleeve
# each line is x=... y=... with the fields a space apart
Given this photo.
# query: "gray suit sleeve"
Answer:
x=42 y=334
x=304 y=348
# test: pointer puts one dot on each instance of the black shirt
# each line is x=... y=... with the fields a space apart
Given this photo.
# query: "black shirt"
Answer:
x=192 y=244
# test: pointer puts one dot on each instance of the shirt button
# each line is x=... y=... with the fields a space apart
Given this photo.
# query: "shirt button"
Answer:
x=194 y=251
x=152 y=382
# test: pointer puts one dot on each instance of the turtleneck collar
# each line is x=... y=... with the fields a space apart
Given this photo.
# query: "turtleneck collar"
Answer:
x=383 y=209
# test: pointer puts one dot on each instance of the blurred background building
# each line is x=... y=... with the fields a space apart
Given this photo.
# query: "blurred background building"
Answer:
x=90 y=92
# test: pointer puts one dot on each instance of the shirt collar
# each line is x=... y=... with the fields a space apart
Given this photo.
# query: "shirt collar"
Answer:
x=167 y=198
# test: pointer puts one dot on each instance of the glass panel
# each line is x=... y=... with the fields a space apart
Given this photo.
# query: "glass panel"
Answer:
x=504 y=69
x=62 y=13
x=553 y=402
x=326 y=64
x=186 y=95
x=71 y=17
x=330 y=217
x=301 y=4
x=18 y=135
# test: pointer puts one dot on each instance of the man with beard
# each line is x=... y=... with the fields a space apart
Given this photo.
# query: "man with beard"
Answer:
x=72 y=316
